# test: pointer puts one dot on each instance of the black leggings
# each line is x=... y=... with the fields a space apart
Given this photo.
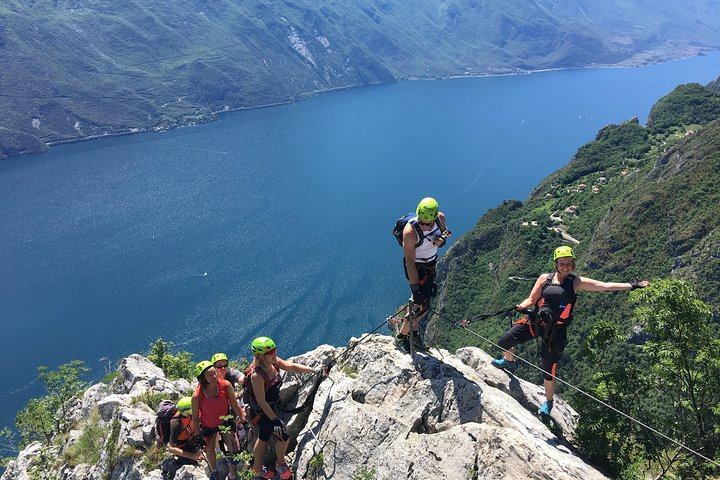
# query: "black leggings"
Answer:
x=550 y=352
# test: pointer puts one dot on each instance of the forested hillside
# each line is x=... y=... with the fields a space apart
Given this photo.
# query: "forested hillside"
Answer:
x=637 y=202
x=75 y=69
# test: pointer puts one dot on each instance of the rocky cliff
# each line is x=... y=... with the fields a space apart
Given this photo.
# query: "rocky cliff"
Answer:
x=379 y=414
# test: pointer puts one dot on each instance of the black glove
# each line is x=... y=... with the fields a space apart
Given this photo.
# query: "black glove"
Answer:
x=440 y=241
x=279 y=429
x=417 y=295
x=526 y=310
x=636 y=284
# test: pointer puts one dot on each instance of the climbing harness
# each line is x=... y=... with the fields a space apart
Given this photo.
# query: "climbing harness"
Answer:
x=588 y=395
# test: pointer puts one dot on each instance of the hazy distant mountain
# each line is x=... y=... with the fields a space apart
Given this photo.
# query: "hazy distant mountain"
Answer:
x=78 y=68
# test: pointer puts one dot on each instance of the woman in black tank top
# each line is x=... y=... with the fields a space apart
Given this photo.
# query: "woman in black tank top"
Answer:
x=554 y=297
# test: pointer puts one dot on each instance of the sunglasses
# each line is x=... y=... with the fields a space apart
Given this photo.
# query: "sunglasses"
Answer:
x=221 y=366
x=426 y=224
x=271 y=352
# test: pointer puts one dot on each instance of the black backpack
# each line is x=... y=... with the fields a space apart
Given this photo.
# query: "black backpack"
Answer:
x=400 y=226
x=165 y=412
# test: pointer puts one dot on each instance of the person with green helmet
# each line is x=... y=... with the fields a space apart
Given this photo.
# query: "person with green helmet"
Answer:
x=210 y=403
x=225 y=371
x=230 y=440
x=182 y=441
x=422 y=237
x=550 y=308
x=262 y=393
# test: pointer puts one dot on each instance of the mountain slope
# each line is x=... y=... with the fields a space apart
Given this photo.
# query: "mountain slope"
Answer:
x=636 y=202
x=80 y=68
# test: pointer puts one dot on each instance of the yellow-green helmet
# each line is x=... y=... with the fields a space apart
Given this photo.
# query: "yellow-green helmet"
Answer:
x=185 y=405
x=201 y=367
x=217 y=357
x=262 y=345
x=563 y=251
x=427 y=210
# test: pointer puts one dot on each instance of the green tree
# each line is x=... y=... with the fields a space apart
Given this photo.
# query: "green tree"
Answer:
x=175 y=365
x=44 y=417
x=62 y=385
x=684 y=357
x=35 y=421
x=606 y=437
x=8 y=446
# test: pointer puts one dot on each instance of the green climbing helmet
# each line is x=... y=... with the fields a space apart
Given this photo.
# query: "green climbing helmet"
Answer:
x=563 y=251
x=185 y=405
x=217 y=357
x=201 y=367
x=262 y=345
x=427 y=209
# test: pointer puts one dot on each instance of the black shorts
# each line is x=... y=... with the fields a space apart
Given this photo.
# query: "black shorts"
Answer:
x=426 y=276
x=265 y=426
x=208 y=431
x=550 y=351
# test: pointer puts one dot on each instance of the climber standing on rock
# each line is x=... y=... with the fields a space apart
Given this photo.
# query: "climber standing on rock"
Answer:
x=261 y=392
x=422 y=235
x=210 y=402
x=550 y=310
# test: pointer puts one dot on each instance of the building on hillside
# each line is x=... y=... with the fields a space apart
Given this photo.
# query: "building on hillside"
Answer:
x=571 y=210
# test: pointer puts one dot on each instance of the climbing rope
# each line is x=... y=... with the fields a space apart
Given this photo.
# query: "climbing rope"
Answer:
x=326 y=369
x=459 y=324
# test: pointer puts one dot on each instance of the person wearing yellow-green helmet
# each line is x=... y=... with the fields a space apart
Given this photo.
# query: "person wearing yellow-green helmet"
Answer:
x=210 y=404
x=181 y=443
x=225 y=371
x=421 y=239
x=262 y=393
x=549 y=309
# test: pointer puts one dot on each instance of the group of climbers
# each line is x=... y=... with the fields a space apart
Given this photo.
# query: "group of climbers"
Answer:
x=214 y=412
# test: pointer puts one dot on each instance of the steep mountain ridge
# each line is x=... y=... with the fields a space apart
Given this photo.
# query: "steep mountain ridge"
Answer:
x=443 y=415
x=82 y=68
x=637 y=202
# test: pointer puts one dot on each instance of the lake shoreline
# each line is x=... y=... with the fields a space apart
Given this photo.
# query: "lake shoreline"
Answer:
x=637 y=61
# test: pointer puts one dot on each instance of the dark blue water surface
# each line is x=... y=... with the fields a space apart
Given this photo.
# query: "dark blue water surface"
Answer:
x=275 y=221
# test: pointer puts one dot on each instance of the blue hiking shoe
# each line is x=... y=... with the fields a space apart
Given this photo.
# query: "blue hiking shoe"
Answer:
x=545 y=408
x=504 y=364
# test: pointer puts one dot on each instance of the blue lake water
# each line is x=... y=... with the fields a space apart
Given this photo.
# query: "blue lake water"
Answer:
x=275 y=221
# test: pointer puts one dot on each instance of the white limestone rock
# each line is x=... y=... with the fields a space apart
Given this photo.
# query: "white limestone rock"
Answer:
x=138 y=374
x=108 y=405
x=84 y=406
x=434 y=418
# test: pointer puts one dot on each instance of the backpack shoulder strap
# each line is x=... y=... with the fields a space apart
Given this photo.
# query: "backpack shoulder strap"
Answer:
x=266 y=378
x=571 y=279
x=418 y=232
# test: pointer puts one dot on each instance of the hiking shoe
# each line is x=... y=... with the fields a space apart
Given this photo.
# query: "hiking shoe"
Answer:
x=263 y=473
x=545 y=408
x=504 y=364
x=284 y=471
